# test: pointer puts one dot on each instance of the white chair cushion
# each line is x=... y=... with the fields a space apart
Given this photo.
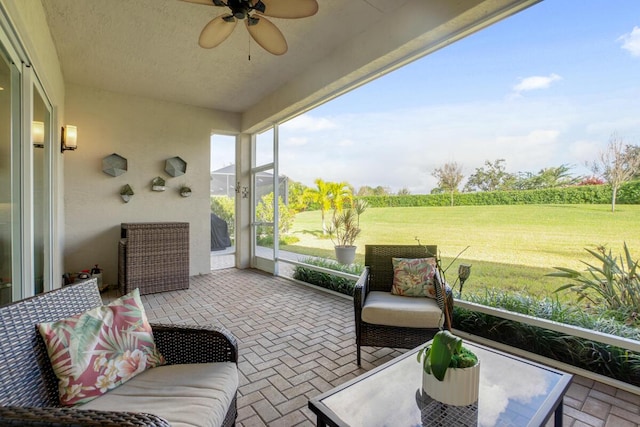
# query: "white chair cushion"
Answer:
x=383 y=308
x=191 y=395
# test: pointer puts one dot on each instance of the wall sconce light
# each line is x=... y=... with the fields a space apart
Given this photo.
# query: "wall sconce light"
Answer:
x=37 y=134
x=68 y=138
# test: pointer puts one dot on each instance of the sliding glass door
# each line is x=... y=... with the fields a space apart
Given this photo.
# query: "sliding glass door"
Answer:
x=10 y=226
x=26 y=180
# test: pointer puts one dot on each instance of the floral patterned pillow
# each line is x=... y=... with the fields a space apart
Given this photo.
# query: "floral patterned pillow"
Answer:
x=414 y=277
x=100 y=349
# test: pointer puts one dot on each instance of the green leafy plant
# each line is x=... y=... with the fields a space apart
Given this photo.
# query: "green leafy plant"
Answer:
x=264 y=213
x=614 y=281
x=345 y=227
x=266 y=240
x=445 y=351
x=126 y=190
x=326 y=280
x=603 y=359
x=158 y=182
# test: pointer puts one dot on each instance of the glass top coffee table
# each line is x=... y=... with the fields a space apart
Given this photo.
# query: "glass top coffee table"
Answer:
x=514 y=392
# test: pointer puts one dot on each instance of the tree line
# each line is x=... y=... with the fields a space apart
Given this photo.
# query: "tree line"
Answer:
x=617 y=164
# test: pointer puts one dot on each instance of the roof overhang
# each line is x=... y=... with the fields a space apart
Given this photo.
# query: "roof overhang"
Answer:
x=149 y=48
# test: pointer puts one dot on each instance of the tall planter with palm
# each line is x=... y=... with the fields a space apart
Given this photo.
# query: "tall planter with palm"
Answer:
x=344 y=229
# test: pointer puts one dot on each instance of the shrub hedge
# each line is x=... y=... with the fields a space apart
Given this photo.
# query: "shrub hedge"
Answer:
x=629 y=193
x=325 y=280
x=603 y=359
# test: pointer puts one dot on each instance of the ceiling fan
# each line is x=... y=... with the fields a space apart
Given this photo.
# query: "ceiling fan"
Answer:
x=253 y=12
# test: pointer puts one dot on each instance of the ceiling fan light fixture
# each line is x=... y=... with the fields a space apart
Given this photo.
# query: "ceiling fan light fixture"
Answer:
x=261 y=29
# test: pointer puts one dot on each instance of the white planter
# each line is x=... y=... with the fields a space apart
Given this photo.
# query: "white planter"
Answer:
x=345 y=254
x=125 y=197
x=158 y=188
x=185 y=193
x=459 y=388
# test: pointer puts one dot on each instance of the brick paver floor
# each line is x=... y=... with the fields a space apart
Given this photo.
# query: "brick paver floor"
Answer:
x=296 y=342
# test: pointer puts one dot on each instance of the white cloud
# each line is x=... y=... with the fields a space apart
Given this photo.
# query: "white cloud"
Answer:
x=296 y=140
x=535 y=82
x=536 y=147
x=345 y=143
x=585 y=151
x=308 y=123
x=400 y=148
x=631 y=41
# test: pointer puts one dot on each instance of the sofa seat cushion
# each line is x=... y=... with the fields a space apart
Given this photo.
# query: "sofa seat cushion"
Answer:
x=191 y=395
x=384 y=308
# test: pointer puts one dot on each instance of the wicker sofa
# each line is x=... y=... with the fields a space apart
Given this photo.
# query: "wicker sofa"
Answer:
x=385 y=320
x=29 y=389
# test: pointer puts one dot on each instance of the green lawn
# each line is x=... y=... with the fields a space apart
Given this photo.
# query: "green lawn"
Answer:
x=510 y=247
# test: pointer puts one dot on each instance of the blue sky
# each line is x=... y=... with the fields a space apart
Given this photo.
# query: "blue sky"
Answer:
x=546 y=87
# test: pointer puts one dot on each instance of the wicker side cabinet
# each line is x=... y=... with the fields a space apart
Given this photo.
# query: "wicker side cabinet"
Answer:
x=153 y=256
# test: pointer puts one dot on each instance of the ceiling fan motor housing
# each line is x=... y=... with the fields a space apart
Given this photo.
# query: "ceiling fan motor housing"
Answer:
x=242 y=8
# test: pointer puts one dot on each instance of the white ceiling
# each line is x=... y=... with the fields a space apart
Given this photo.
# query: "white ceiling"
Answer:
x=149 y=47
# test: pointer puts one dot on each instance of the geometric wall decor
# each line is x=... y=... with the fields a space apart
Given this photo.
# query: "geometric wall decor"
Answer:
x=157 y=184
x=175 y=166
x=114 y=165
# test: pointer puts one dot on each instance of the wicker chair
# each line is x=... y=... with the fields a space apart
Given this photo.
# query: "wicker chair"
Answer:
x=29 y=388
x=378 y=276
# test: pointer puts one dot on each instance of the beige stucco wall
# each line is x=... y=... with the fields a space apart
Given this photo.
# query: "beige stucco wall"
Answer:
x=146 y=132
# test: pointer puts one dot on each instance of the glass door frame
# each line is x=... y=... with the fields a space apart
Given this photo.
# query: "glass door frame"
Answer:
x=16 y=191
x=47 y=187
x=24 y=85
x=261 y=263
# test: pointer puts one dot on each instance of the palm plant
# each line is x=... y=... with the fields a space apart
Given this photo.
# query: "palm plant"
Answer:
x=339 y=193
x=322 y=196
x=359 y=206
x=329 y=195
x=344 y=228
x=615 y=282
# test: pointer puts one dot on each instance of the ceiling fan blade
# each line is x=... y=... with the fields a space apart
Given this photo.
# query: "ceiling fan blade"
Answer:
x=206 y=2
x=267 y=35
x=288 y=8
x=216 y=31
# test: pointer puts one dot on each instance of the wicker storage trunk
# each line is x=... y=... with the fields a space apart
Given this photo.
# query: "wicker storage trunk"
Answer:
x=153 y=256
